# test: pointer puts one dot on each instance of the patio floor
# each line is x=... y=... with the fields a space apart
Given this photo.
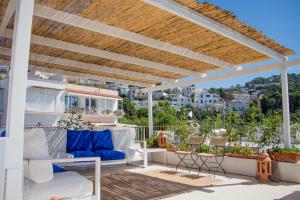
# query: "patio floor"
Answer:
x=231 y=187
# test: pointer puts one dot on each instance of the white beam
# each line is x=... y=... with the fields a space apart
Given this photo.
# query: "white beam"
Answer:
x=90 y=76
x=201 y=20
x=268 y=67
x=98 y=27
x=285 y=107
x=67 y=46
x=17 y=98
x=83 y=65
x=150 y=114
x=9 y=12
x=79 y=75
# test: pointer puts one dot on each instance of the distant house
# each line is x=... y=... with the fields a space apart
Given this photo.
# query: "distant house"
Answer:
x=188 y=91
x=48 y=101
x=239 y=105
x=143 y=103
x=135 y=92
x=206 y=99
x=179 y=101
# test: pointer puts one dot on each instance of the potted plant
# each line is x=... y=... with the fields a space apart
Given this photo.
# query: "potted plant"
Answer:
x=241 y=152
x=286 y=154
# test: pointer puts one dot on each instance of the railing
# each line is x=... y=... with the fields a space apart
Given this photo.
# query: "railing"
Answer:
x=180 y=132
x=44 y=107
x=92 y=111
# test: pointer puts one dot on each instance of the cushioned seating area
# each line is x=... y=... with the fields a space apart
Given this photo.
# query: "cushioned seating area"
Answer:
x=86 y=143
x=102 y=140
x=110 y=154
x=65 y=185
x=79 y=140
x=80 y=154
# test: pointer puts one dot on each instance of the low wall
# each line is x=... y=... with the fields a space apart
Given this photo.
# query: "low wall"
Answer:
x=287 y=171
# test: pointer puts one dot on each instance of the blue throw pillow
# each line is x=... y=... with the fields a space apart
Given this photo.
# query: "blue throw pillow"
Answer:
x=57 y=168
x=102 y=140
x=79 y=140
x=3 y=133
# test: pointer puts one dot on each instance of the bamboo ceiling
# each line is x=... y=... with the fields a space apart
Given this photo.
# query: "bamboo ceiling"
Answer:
x=141 y=18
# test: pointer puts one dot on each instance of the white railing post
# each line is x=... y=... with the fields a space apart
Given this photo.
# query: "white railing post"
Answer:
x=150 y=114
x=16 y=99
x=285 y=106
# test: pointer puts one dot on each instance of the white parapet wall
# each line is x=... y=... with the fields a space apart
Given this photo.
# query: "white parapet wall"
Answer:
x=287 y=171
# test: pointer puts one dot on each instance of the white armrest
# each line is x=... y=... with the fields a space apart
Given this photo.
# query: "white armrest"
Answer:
x=86 y=159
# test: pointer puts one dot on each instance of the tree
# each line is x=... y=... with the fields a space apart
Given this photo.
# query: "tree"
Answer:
x=129 y=108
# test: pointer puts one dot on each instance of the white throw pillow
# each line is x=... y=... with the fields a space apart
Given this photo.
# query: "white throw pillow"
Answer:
x=40 y=171
x=35 y=144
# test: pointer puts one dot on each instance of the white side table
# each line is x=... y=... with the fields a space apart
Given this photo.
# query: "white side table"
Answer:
x=154 y=150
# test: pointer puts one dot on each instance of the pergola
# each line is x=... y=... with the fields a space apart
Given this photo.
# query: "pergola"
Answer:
x=140 y=43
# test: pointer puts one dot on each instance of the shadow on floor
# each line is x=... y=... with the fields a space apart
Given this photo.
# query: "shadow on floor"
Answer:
x=293 y=196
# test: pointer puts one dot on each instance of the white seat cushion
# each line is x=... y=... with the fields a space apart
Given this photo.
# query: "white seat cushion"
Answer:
x=35 y=144
x=64 y=185
x=39 y=171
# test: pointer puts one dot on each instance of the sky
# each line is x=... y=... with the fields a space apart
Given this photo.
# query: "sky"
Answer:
x=278 y=19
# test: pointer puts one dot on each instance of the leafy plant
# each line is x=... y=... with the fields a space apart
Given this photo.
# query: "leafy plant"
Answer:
x=152 y=141
x=285 y=150
x=241 y=150
x=269 y=129
x=72 y=122
x=204 y=148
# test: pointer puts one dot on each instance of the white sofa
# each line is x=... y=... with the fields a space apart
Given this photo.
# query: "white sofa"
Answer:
x=40 y=183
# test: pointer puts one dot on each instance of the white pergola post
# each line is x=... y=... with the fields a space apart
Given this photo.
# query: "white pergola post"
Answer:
x=150 y=114
x=16 y=100
x=285 y=106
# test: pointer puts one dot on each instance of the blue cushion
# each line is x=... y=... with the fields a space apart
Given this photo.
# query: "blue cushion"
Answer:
x=79 y=140
x=102 y=140
x=3 y=134
x=110 y=154
x=57 y=169
x=81 y=154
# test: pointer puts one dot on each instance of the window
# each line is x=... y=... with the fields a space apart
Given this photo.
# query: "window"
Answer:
x=210 y=101
x=72 y=101
x=207 y=95
x=201 y=95
x=201 y=101
x=215 y=101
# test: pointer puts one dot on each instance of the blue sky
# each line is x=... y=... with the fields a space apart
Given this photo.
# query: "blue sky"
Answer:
x=277 y=19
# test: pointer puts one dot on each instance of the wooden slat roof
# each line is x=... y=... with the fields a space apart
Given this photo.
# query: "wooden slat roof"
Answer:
x=139 y=17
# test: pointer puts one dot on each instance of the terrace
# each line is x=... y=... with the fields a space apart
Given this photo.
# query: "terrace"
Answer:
x=142 y=43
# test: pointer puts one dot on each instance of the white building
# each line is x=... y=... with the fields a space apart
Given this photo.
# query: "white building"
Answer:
x=239 y=105
x=180 y=101
x=123 y=89
x=245 y=96
x=48 y=101
x=143 y=103
x=136 y=92
x=205 y=99
x=188 y=91
x=159 y=95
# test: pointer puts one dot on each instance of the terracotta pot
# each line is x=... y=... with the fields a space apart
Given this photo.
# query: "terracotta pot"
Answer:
x=286 y=157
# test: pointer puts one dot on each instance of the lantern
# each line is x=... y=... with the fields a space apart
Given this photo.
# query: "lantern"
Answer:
x=264 y=167
x=162 y=140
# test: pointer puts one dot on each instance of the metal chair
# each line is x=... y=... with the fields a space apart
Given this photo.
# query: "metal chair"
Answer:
x=216 y=159
x=192 y=142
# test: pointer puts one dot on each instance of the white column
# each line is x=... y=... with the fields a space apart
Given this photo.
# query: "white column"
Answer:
x=16 y=99
x=285 y=107
x=150 y=114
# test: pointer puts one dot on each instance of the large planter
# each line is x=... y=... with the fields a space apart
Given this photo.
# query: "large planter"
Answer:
x=254 y=156
x=286 y=157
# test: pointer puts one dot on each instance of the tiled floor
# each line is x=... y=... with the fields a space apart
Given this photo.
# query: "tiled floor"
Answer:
x=232 y=187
